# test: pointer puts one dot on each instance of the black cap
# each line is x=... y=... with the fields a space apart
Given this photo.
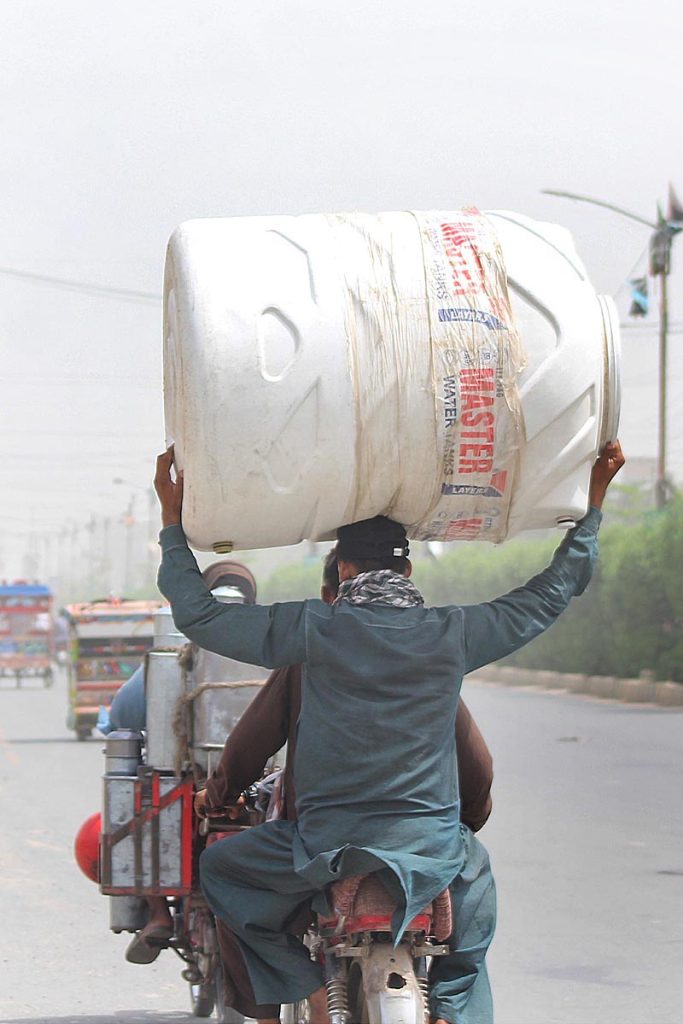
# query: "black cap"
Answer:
x=372 y=538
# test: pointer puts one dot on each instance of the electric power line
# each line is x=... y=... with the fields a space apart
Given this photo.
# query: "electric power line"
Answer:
x=649 y=328
x=50 y=378
x=85 y=287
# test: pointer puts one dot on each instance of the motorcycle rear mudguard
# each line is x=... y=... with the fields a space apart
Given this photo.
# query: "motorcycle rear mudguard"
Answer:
x=391 y=989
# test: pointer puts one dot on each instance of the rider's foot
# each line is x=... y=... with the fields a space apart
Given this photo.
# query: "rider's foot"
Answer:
x=317 y=1002
x=159 y=914
x=147 y=944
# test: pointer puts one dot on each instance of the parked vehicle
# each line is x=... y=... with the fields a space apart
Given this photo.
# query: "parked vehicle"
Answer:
x=108 y=641
x=26 y=631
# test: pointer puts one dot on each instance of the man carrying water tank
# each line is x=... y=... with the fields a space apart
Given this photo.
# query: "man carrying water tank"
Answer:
x=268 y=723
x=374 y=774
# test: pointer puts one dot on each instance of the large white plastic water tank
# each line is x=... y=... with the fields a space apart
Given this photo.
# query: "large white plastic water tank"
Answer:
x=307 y=375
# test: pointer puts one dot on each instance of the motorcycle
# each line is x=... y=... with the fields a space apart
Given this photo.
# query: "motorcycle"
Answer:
x=368 y=979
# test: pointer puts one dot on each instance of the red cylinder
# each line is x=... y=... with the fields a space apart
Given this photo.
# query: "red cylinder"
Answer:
x=87 y=847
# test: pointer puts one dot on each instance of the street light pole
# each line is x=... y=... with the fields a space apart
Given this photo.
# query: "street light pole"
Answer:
x=151 y=547
x=664 y=229
x=661 y=494
x=152 y=529
x=129 y=522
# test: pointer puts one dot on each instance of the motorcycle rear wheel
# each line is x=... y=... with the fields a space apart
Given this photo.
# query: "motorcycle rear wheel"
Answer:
x=367 y=1005
x=210 y=994
x=357 y=1004
x=295 y=1013
x=202 y=998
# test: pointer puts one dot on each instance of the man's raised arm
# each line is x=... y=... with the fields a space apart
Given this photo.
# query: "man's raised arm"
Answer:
x=257 y=634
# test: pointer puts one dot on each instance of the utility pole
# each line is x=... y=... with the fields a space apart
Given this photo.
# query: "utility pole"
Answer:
x=106 y=560
x=153 y=523
x=63 y=563
x=660 y=266
x=151 y=551
x=91 y=577
x=129 y=523
x=664 y=229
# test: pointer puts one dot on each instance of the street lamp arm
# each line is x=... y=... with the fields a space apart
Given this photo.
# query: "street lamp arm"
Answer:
x=129 y=483
x=599 y=202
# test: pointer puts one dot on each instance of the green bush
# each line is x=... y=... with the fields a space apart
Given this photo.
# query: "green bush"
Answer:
x=641 y=594
x=292 y=582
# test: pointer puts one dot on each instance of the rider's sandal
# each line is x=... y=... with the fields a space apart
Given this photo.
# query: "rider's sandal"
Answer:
x=140 y=951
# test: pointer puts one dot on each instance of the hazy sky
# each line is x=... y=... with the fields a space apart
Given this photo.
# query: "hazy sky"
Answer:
x=121 y=120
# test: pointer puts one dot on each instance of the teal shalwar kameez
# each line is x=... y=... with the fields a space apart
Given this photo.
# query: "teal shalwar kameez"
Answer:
x=375 y=769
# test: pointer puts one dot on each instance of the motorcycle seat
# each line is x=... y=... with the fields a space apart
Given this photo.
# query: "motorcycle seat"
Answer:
x=361 y=903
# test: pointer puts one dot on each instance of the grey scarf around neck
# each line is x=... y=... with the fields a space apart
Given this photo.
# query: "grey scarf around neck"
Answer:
x=380 y=586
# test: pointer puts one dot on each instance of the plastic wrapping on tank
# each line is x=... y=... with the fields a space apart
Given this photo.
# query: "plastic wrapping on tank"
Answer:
x=477 y=357
x=432 y=340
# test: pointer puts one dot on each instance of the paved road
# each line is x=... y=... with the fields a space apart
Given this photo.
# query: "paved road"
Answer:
x=587 y=847
x=585 y=840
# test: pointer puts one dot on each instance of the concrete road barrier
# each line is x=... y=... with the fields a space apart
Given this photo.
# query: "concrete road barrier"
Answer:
x=669 y=694
x=644 y=690
x=635 y=691
x=575 y=682
x=601 y=686
x=548 y=680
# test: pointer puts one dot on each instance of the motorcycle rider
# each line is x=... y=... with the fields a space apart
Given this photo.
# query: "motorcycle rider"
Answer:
x=269 y=722
x=375 y=778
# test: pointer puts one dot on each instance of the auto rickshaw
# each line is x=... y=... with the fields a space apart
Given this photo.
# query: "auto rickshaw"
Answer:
x=109 y=640
x=26 y=631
